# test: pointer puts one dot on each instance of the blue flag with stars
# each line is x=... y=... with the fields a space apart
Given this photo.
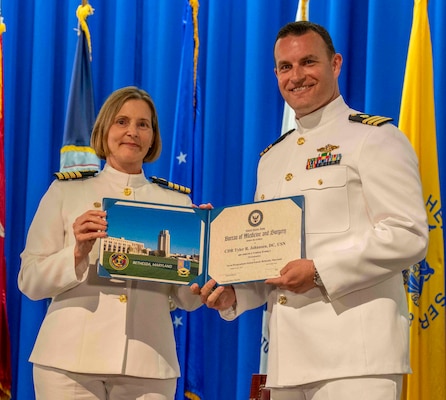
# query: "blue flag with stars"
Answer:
x=186 y=161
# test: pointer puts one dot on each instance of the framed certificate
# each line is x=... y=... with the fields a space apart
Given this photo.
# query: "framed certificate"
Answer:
x=182 y=245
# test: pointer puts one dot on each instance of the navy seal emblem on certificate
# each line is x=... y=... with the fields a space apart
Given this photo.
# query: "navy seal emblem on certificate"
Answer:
x=255 y=218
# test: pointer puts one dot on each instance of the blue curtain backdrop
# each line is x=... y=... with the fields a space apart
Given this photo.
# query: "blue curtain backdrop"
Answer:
x=138 y=42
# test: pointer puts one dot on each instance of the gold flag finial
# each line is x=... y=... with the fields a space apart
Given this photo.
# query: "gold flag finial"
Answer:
x=195 y=5
x=82 y=12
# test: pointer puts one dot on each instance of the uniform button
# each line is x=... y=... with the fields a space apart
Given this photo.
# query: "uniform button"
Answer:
x=300 y=141
x=123 y=298
x=320 y=182
x=262 y=197
x=127 y=191
x=288 y=176
x=282 y=299
x=97 y=204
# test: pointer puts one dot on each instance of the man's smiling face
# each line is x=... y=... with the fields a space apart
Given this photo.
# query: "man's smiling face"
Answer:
x=307 y=76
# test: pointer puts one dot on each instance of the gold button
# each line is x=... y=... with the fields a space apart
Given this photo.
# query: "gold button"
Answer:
x=300 y=141
x=320 y=182
x=282 y=299
x=123 y=298
x=288 y=176
x=262 y=197
x=97 y=204
x=127 y=191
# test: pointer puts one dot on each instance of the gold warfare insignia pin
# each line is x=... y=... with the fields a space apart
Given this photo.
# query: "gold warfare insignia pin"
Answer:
x=328 y=148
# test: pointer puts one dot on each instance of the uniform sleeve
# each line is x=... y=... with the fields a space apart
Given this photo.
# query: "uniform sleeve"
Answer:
x=47 y=267
x=184 y=298
x=248 y=296
x=397 y=233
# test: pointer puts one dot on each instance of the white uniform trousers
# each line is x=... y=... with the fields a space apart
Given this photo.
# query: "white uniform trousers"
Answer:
x=380 y=387
x=56 y=384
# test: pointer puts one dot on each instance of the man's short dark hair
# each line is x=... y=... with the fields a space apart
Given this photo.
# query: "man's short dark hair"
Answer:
x=299 y=28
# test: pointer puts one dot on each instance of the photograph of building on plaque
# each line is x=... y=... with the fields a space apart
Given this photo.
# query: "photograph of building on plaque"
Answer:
x=152 y=243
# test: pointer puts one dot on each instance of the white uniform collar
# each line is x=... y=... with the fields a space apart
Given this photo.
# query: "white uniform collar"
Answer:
x=321 y=116
x=123 y=179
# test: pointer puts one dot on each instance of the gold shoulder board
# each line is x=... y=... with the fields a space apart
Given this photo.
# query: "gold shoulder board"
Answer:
x=368 y=119
x=170 y=185
x=277 y=141
x=70 y=175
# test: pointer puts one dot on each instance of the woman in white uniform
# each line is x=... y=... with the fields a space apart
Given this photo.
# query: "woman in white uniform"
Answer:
x=101 y=338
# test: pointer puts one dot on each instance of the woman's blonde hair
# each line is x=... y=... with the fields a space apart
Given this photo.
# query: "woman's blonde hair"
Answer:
x=106 y=117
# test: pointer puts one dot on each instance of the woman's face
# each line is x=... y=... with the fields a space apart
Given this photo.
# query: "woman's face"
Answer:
x=130 y=137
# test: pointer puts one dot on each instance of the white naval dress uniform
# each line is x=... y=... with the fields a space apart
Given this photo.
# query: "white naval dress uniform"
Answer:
x=95 y=325
x=365 y=222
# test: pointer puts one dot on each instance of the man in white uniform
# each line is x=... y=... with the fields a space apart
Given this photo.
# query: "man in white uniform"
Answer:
x=339 y=325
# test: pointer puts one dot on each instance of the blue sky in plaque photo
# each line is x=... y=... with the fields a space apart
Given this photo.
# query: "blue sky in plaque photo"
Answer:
x=141 y=224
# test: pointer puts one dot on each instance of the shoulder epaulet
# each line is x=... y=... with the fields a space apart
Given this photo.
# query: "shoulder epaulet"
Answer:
x=70 y=175
x=277 y=141
x=368 y=119
x=170 y=185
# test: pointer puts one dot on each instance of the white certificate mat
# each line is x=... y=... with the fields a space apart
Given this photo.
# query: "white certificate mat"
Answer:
x=255 y=241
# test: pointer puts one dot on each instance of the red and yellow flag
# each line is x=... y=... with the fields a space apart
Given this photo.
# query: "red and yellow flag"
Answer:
x=426 y=280
x=5 y=355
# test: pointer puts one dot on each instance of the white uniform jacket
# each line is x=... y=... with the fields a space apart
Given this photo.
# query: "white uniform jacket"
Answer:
x=365 y=222
x=93 y=324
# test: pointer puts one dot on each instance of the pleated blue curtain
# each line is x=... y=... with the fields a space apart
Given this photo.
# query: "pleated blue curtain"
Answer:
x=238 y=66
x=138 y=42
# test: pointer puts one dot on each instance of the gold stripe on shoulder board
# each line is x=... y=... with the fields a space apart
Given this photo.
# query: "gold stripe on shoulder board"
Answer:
x=70 y=175
x=170 y=185
x=367 y=119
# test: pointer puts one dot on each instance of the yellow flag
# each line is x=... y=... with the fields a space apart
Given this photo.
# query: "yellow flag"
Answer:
x=426 y=280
